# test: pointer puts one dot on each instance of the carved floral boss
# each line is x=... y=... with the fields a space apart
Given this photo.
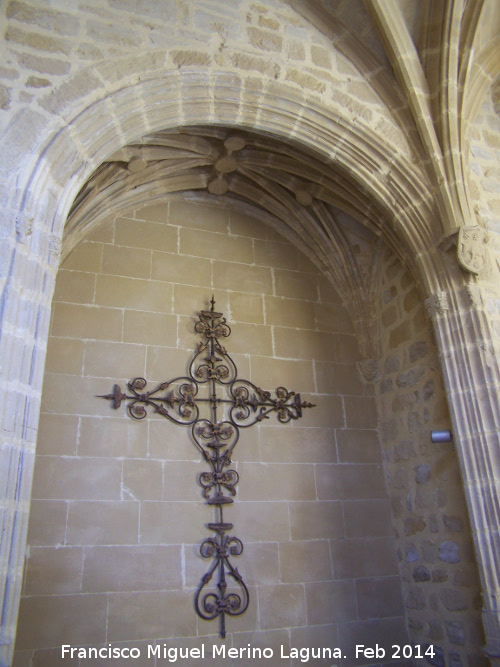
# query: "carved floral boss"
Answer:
x=243 y=404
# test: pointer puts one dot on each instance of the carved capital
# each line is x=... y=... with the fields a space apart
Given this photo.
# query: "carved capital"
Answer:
x=472 y=251
x=475 y=296
x=24 y=228
x=369 y=369
x=437 y=304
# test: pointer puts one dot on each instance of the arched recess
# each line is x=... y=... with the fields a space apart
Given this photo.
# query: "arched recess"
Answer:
x=286 y=457
x=391 y=179
x=66 y=157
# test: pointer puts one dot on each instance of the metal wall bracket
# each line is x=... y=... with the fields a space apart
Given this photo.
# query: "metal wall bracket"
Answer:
x=242 y=405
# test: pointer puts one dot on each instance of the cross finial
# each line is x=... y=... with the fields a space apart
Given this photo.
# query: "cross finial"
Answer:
x=213 y=303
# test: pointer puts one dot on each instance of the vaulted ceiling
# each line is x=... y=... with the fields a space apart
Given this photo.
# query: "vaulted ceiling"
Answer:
x=428 y=63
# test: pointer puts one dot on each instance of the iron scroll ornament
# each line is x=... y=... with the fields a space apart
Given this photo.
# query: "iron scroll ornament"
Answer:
x=244 y=404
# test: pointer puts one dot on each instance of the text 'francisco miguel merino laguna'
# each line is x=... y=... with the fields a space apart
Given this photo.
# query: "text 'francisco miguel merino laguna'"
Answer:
x=174 y=653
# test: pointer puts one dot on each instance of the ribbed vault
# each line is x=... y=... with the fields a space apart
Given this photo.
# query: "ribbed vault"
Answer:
x=319 y=208
x=405 y=53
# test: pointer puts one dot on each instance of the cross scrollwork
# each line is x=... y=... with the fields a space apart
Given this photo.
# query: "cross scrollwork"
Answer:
x=243 y=404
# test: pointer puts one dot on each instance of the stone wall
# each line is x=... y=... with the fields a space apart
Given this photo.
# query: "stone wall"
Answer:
x=117 y=517
x=441 y=586
x=89 y=48
x=484 y=161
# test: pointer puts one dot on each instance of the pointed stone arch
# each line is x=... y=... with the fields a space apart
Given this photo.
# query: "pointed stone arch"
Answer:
x=63 y=158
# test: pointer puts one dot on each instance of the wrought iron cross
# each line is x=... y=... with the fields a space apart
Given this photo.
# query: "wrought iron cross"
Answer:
x=244 y=405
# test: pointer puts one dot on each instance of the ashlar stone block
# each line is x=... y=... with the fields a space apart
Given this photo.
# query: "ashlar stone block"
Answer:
x=305 y=561
x=53 y=571
x=331 y=602
x=96 y=522
x=282 y=606
x=53 y=620
x=131 y=568
x=149 y=615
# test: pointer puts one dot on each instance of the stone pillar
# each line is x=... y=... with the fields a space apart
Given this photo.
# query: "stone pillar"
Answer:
x=467 y=327
x=25 y=316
